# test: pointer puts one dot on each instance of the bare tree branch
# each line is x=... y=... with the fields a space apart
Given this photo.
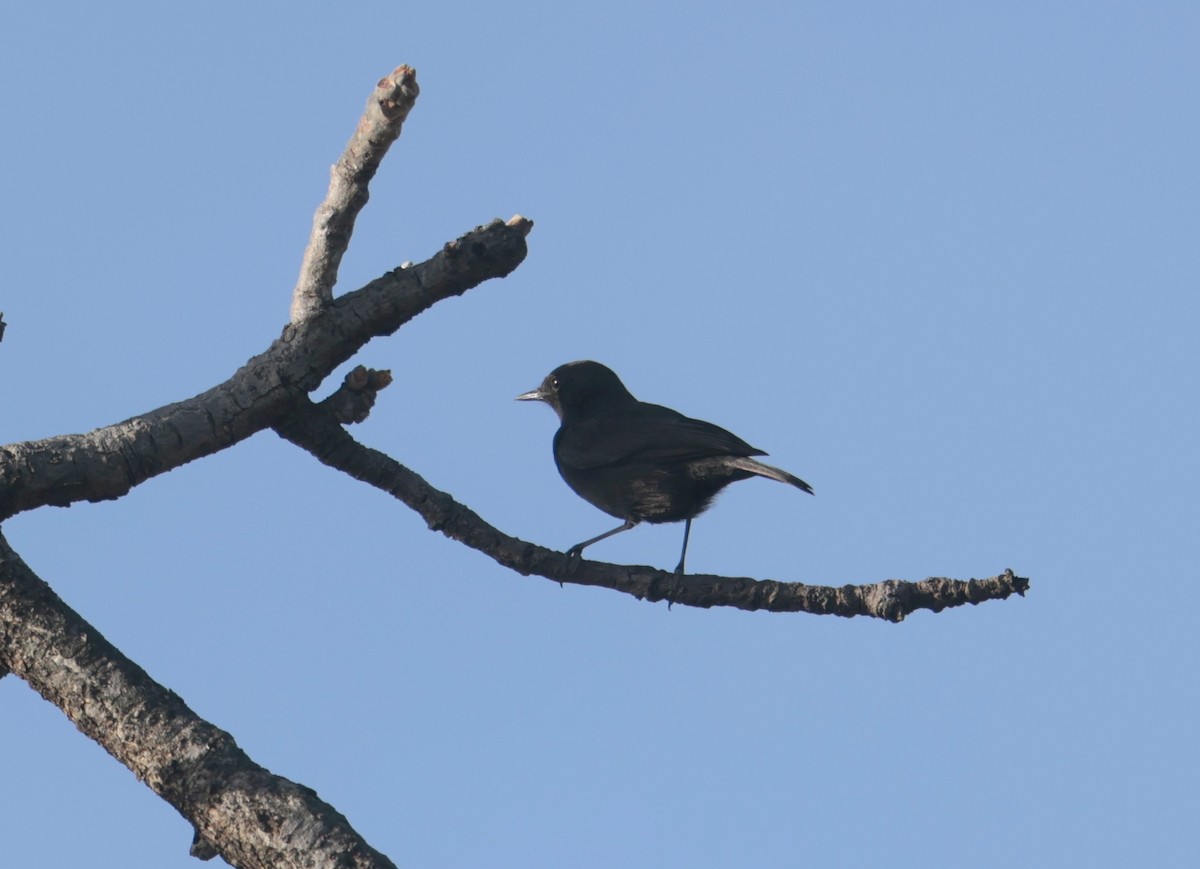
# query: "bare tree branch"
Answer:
x=333 y=222
x=251 y=817
x=108 y=462
x=316 y=429
x=238 y=809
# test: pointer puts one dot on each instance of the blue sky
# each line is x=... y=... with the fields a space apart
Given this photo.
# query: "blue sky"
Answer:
x=938 y=259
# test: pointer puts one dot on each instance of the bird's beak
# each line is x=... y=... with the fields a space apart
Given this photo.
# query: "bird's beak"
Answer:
x=533 y=395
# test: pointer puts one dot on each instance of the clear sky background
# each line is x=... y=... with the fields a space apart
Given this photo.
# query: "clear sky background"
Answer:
x=939 y=259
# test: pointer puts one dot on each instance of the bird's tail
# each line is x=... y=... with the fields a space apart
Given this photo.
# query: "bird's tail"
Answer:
x=764 y=470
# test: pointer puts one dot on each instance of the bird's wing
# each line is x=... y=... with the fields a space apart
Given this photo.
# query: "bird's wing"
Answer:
x=646 y=433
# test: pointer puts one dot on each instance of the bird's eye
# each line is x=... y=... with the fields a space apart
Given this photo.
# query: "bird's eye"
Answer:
x=554 y=383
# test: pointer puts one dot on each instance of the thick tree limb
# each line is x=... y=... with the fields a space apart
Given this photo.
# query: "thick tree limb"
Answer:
x=249 y=816
x=316 y=429
x=333 y=222
x=108 y=462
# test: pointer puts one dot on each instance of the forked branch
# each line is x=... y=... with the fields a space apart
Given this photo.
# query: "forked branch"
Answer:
x=108 y=462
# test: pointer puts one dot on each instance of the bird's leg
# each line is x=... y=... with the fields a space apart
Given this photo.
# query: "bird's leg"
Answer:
x=687 y=530
x=576 y=551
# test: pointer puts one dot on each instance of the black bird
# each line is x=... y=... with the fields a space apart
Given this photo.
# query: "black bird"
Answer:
x=637 y=461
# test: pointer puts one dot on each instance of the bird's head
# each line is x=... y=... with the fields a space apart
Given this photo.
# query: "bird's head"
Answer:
x=578 y=388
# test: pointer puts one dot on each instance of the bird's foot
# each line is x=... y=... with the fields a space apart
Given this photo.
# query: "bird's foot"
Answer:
x=674 y=586
x=574 y=556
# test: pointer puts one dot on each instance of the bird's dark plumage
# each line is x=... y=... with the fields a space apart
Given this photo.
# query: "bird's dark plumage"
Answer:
x=641 y=462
